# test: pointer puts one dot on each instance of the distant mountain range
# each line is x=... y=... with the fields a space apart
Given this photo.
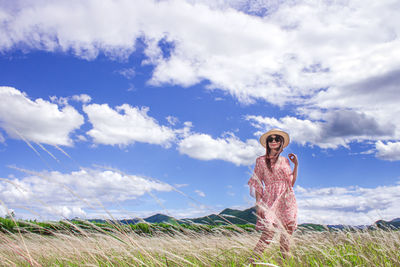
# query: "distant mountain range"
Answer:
x=247 y=216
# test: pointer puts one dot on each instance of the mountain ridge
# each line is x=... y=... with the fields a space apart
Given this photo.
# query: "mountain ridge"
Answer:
x=247 y=216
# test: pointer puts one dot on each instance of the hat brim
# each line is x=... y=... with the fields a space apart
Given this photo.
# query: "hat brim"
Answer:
x=285 y=135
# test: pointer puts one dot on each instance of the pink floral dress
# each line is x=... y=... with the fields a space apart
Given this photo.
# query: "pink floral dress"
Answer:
x=277 y=205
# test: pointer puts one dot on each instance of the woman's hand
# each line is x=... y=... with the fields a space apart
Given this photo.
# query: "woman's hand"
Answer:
x=293 y=159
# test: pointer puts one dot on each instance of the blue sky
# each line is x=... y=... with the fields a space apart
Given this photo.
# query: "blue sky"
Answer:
x=137 y=108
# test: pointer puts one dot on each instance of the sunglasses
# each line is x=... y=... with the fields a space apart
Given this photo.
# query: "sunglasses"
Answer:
x=277 y=139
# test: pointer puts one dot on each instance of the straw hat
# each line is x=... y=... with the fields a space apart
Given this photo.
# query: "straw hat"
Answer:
x=285 y=135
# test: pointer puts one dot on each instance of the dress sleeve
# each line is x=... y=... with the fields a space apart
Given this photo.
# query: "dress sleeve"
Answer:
x=255 y=182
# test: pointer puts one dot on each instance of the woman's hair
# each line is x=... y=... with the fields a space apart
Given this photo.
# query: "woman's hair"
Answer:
x=268 y=157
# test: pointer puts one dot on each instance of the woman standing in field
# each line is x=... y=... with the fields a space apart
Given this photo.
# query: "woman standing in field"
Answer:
x=272 y=186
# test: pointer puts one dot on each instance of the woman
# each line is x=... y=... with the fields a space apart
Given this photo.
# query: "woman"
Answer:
x=272 y=186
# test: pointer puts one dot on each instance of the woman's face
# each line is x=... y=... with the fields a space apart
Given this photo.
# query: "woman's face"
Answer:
x=274 y=141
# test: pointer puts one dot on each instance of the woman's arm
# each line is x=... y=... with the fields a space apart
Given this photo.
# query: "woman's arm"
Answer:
x=255 y=182
x=258 y=196
x=293 y=159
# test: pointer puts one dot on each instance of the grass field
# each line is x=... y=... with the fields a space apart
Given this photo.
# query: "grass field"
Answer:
x=185 y=247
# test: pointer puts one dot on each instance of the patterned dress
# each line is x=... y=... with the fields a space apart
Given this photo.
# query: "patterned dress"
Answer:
x=277 y=205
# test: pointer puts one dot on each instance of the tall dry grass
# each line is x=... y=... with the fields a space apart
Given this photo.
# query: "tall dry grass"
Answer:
x=218 y=248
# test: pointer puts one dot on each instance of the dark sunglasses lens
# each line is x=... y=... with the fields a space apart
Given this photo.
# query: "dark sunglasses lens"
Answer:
x=271 y=139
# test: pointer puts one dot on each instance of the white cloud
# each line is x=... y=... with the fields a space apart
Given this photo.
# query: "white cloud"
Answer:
x=63 y=211
x=81 y=138
x=84 y=98
x=347 y=205
x=375 y=97
x=57 y=194
x=337 y=129
x=125 y=125
x=322 y=56
x=37 y=120
x=228 y=148
x=172 y=120
x=128 y=73
x=259 y=7
x=63 y=101
x=389 y=151
x=301 y=131
x=3 y=211
x=298 y=48
x=200 y=193
x=2 y=140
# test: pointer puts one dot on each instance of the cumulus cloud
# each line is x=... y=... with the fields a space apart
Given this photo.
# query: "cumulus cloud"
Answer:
x=228 y=148
x=126 y=125
x=63 y=101
x=128 y=73
x=72 y=194
x=376 y=97
x=84 y=98
x=389 y=151
x=301 y=131
x=320 y=56
x=3 y=211
x=259 y=7
x=382 y=87
x=172 y=120
x=37 y=120
x=250 y=57
x=347 y=205
x=59 y=100
x=336 y=128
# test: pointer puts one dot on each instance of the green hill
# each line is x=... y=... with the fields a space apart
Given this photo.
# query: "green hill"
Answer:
x=393 y=224
x=247 y=216
x=228 y=216
x=158 y=218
